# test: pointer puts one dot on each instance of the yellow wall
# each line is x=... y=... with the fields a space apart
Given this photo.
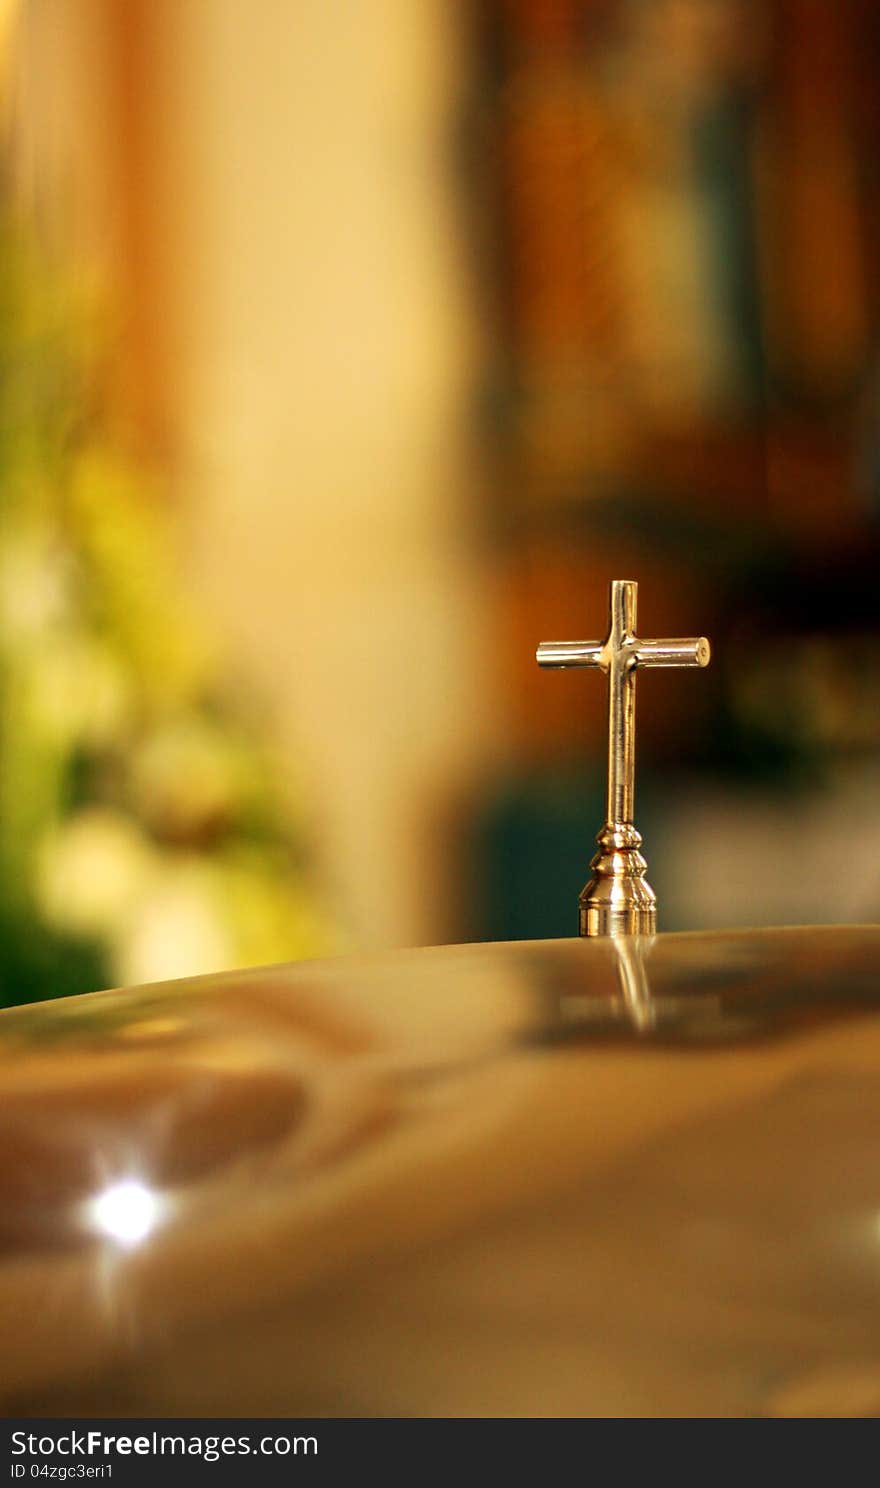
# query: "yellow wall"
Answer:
x=315 y=355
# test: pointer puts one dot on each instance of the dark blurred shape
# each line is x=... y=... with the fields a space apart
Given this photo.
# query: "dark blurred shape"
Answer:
x=684 y=384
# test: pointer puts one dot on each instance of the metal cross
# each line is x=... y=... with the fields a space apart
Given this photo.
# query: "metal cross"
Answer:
x=618 y=900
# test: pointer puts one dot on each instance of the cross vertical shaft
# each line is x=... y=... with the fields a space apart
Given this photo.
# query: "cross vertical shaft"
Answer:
x=618 y=900
x=620 y=665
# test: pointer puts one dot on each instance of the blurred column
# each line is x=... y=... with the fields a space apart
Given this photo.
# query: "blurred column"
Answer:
x=317 y=347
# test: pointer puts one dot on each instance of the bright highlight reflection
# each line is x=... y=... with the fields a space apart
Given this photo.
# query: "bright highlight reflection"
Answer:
x=126 y=1212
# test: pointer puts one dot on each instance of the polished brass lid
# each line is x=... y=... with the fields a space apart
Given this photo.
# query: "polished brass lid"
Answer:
x=564 y=1177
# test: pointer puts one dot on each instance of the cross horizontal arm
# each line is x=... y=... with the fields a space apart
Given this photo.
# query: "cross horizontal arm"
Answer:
x=570 y=653
x=693 y=652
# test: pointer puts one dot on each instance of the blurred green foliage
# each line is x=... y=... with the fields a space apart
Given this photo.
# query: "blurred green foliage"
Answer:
x=144 y=832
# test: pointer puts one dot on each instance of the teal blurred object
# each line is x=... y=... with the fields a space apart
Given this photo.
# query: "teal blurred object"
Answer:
x=532 y=844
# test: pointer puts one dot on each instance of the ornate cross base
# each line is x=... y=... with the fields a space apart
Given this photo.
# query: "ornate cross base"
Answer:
x=618 y=900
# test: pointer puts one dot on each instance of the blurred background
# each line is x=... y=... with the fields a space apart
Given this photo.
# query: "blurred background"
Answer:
x=346 y=351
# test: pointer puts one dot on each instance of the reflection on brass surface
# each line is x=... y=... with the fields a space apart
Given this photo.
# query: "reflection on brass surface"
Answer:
x=635 y=1006
x=578 y=1177
x=618 y=900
